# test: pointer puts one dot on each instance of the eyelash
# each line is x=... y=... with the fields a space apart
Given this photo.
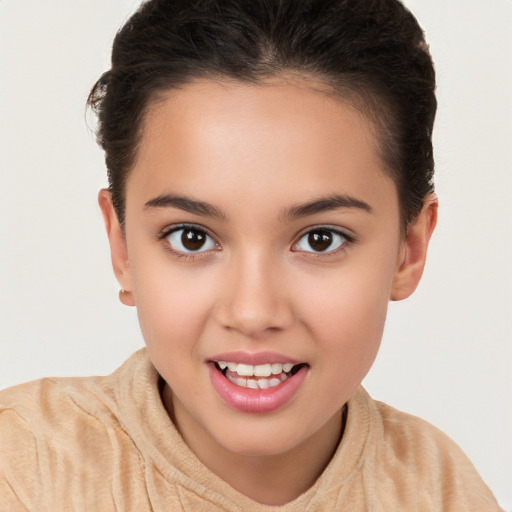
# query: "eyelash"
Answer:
x=347 y=239
x=183 y=254
x=165 y=234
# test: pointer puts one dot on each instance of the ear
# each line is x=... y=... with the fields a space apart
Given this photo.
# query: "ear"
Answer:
x=413 y=252
x=118 y=249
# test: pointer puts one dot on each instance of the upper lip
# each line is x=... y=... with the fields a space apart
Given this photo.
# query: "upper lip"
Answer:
x=254 y=358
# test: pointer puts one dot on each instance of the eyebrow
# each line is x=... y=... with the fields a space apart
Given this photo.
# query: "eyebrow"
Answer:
x=205 y=209
x=325 y=204
x=186 y=204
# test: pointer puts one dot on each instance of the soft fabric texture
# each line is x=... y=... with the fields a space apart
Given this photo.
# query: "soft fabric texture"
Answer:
x=103 y=444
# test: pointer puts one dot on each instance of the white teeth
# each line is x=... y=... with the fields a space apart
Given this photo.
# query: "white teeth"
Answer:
x=263 y=383
x=240 y=382
x=252 y=384
x=263 y=370
x=238 y=373
x=257 y=383
x=245 y=370
x=277 y=368
x=259 y=370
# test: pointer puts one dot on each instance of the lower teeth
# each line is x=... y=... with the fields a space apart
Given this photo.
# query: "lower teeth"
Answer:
x=257 y=383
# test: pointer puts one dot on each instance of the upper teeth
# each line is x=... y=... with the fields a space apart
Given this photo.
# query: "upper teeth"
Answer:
x=259 y=370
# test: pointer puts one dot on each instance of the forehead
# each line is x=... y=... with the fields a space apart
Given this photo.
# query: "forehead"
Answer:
x=230 y=136
x=280 y=105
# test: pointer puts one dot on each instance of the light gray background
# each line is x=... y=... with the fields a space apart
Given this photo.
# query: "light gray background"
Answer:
x=447 y=351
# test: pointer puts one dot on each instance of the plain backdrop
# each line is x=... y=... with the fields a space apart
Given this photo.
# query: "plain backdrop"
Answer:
x=447 y=352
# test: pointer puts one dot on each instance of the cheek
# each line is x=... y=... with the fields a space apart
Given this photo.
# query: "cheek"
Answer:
x=347 y=316
x=352 y=323
x=173 y=304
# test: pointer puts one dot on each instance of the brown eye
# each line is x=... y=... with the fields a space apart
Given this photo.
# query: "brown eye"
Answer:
x=190 y=239
x=321 y=240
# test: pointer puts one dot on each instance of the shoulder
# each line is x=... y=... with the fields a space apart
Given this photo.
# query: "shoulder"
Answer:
x=56 y=433
x=409 y=436
x=65 y=408
x=50 y=402
x=414 y=460
x=47 y=405
x=417 y=443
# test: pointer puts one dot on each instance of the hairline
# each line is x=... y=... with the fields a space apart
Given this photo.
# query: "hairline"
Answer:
x=364 y=102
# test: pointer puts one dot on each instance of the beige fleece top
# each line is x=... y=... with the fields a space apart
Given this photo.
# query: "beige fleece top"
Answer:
x=103 y=444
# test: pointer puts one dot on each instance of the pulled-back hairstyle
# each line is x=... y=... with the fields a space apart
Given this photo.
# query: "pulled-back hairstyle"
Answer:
x=369 y=51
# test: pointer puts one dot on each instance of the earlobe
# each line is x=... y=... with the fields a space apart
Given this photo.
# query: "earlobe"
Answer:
x=413 y=252
x=118 y=249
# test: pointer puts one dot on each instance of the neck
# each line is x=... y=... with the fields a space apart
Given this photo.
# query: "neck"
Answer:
x=269 y=479
x=279 y=479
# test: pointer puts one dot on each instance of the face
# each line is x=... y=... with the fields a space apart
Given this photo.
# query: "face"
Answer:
x=262 y=246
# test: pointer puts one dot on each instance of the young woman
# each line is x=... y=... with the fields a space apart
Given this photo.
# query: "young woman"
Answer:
x=270 y=191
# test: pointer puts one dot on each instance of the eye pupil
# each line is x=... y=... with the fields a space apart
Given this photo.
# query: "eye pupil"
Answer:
x=320 y=240
x=193 y=239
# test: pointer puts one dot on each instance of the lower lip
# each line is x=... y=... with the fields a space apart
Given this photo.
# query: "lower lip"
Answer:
x=256 y=400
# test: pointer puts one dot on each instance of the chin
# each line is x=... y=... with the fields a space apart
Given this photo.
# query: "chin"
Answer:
x=254 y=439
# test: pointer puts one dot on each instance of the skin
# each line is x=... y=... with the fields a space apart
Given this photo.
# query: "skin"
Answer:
x=254 y=152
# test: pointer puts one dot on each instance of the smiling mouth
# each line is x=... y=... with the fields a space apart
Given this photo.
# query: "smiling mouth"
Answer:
x=261 y=376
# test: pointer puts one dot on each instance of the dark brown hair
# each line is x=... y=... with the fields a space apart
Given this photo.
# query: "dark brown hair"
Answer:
x=372 y=51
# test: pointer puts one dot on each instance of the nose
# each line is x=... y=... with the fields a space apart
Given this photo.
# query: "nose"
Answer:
x=255 y=299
